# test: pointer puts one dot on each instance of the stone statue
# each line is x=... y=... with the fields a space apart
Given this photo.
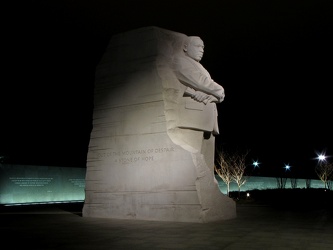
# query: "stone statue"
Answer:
x=197 y=106
x=151 y=150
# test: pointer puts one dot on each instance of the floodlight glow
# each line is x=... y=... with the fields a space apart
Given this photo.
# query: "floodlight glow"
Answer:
x=255 y=164
x=287 y=167
x=321 y=157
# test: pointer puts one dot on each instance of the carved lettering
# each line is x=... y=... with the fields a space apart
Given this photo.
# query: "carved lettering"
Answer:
x=132 y=156
x=148 y=158
x=30 y=182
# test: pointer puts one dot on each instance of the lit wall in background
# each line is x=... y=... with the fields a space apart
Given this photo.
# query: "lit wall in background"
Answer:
x=22 y=184
x=261 y=183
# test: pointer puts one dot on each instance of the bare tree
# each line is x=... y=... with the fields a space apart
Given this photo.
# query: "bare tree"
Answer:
x=231 y=168
x=281 y=182
x=237 y=162
x=329 y=184
x=308 y=183
x=324 y=171
x=224 y=169
x=293 y=182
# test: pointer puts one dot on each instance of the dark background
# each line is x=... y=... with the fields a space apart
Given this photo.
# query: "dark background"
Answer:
x=272 y=57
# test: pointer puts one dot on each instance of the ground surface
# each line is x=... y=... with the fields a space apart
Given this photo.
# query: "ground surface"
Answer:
x=303 y=222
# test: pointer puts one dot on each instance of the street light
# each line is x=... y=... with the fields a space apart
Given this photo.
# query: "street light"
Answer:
x=255 y=164
x=287 y=167
x=321 y=157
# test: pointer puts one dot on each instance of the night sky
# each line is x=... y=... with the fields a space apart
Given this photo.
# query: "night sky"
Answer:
x=274 y=59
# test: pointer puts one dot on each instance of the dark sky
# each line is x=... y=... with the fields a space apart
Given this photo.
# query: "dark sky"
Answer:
x=274 y=59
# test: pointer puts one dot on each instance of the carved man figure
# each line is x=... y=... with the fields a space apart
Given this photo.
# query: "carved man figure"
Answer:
x=197 y=106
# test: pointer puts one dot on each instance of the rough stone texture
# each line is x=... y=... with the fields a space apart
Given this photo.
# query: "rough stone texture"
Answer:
x=139 y=165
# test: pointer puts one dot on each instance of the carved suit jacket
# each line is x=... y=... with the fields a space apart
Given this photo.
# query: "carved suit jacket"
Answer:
x=193 y=114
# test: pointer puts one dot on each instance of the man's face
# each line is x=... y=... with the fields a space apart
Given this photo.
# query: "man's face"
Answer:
x=195 y=48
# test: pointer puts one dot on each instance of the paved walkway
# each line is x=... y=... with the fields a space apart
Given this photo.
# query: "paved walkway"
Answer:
x=256 y=227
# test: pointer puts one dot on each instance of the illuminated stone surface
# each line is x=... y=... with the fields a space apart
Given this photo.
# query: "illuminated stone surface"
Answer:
x=26 y=184
x=140 y=164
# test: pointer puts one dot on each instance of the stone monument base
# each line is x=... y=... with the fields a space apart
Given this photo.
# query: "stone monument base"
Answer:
x=160 y=182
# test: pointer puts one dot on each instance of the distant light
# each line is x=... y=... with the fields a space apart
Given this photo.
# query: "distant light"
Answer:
x=255 y=164
x=247 y=195
x=321 y=157
x=287 y=167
